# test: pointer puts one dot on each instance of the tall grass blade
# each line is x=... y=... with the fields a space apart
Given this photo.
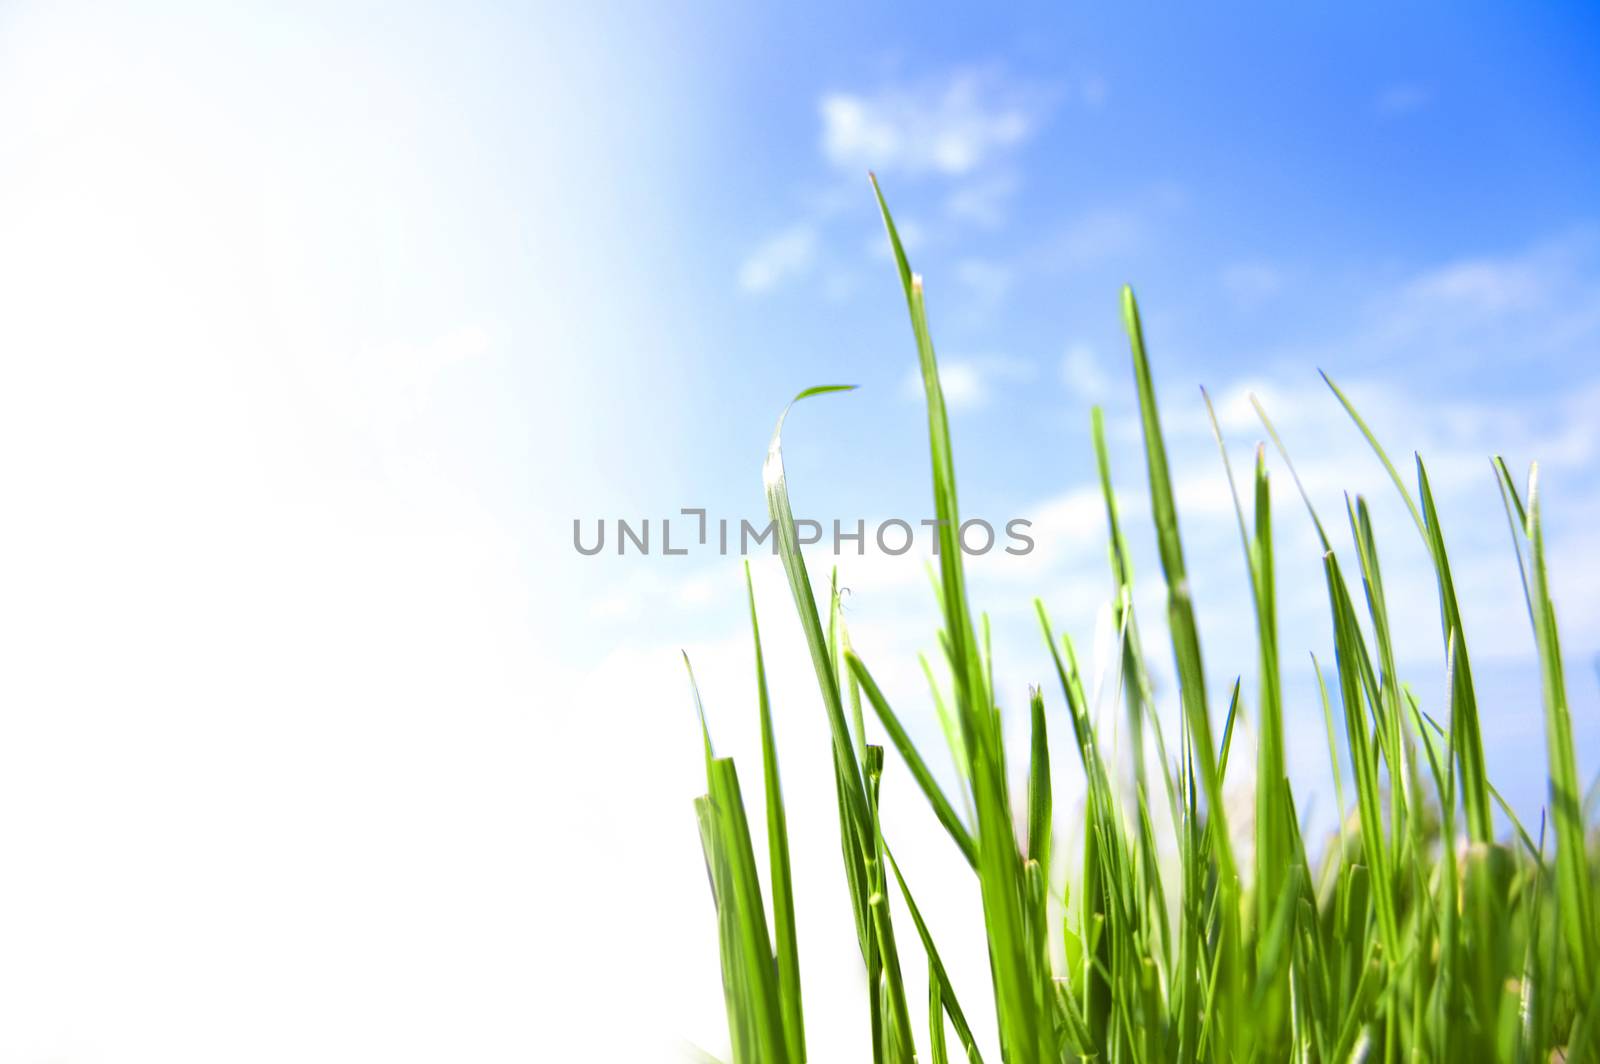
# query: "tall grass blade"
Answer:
x=1022 y=1033
x=779 y=874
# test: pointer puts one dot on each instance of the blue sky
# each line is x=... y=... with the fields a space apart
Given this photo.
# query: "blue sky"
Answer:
x=1270 y=185
x=1207 y=161
x=321 y=324
x=1404 y=200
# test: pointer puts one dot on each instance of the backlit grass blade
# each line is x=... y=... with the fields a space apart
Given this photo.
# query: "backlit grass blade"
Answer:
x=1038 y=784
x=1180 y=607
x=919 y=769
x=1133 y=684
x=839 y=645
x=1354 y=693
x=951 y=729
x=757 y=968
x=756 y=1017
x=1389 y=709
x=1274 y=856
x=938 y=974
x=740 y=1032
x=783 y=917
x=794 y=568
x=999 y=865
x=1136 y=684
x=893 y=1018
x=1517 y=517
x=1333 y=749
x=1192 y=694
x=858 y=823
x=1574 y=881
x=1469 y=748
x=1469 y=740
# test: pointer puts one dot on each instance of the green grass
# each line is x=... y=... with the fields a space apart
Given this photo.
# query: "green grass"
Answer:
x=1417 y=936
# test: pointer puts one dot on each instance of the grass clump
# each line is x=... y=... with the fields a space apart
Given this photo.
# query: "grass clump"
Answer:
x=1416 y=937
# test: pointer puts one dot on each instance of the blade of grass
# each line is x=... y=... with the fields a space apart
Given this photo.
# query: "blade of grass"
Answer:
x=1574 y=885
x=1180 y=609
x=908 y=752
x=1038 y=784
x=783 y=918
x=1469 y=748
x=938 y=973
x=1273 y=857
x=999 y=864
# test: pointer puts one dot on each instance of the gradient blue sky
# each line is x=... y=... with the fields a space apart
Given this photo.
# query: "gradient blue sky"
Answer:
x=1276 y=188
x=319 y=324
x=1404 y=199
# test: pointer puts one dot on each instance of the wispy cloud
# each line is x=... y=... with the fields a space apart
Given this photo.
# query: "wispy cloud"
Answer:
x=782 y=257
x=1083 y=374
x=959 y=130
x=968 y=383
x=952 y=126
x=1540 y=305
x=984 y=202
x=1481 y=286
x=963 y=383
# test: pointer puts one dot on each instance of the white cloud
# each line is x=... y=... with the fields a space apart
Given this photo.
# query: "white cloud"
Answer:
x=1540 y=305
x=952 y=126
x=967 y=383
x=782 y=257
x=1477 y=286
x=963 y=383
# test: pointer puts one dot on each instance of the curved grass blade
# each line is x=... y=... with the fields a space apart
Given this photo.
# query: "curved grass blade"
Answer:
x=794 y=567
